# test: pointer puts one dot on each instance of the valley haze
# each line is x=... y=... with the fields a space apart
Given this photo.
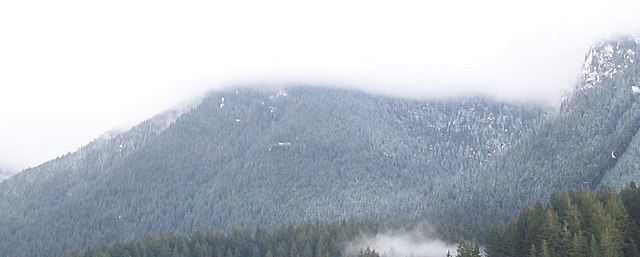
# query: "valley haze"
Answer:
x=72 y=70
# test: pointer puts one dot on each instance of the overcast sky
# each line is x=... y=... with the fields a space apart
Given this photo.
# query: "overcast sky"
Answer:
x=71 y=70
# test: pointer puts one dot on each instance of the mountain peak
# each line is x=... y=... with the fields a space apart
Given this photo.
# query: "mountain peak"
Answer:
x=607 y=58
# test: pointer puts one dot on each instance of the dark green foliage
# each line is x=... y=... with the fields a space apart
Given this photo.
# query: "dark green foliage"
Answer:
x=580 y=223
x=574 y=224
x=320 y=240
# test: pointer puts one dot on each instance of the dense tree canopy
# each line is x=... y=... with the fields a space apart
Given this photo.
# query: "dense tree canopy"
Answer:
x=580 y=223
x=576 y=224
x=245 y=158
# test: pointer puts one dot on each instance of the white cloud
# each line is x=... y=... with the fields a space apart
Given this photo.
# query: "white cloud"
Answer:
x=418 y=242
x=70 y=69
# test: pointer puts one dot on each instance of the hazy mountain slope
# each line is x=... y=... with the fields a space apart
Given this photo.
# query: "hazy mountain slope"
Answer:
x=627 y=159
x=54 y=204
x=627 y=167
x=249 y=157
x=579 y=147
x=4 y=174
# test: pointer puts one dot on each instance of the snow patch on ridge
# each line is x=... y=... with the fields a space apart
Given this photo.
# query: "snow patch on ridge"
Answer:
x=280 y=93
x=279 y=144
x=606 y=59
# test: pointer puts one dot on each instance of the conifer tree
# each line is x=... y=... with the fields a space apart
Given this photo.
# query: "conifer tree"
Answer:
x=544 y=249
x=496 y=246
x=594 y=249
x=551 y=229
x=368 y=252
x=533 y=252
x=578 y=245
x=468 y=250
x=564 y=243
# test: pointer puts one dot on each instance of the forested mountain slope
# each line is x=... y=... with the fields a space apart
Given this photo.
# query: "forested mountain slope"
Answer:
x=576 y=223
x=257 y=157
x=592 y=141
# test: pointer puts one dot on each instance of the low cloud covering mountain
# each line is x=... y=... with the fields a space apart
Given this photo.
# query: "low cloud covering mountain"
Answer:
x=248 y=157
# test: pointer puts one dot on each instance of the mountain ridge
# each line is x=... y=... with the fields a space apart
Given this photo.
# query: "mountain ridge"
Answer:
x=577 y=147
x=249 y=157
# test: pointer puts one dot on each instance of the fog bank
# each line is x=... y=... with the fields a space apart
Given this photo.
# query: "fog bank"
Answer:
x=419 y=242
x=71 y=70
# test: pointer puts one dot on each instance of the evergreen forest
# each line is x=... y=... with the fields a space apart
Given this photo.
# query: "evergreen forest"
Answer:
x=580 y=223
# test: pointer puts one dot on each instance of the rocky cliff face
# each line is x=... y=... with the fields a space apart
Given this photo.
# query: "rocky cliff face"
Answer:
x=607 y=58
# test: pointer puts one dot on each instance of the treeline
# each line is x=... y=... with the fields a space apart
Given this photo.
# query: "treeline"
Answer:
x=320 y=239
x=581 y=223
x=604 y=223
x=308 y=240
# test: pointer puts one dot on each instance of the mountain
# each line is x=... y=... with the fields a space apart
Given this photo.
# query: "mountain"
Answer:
x=250 y=157
x=592 y=141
